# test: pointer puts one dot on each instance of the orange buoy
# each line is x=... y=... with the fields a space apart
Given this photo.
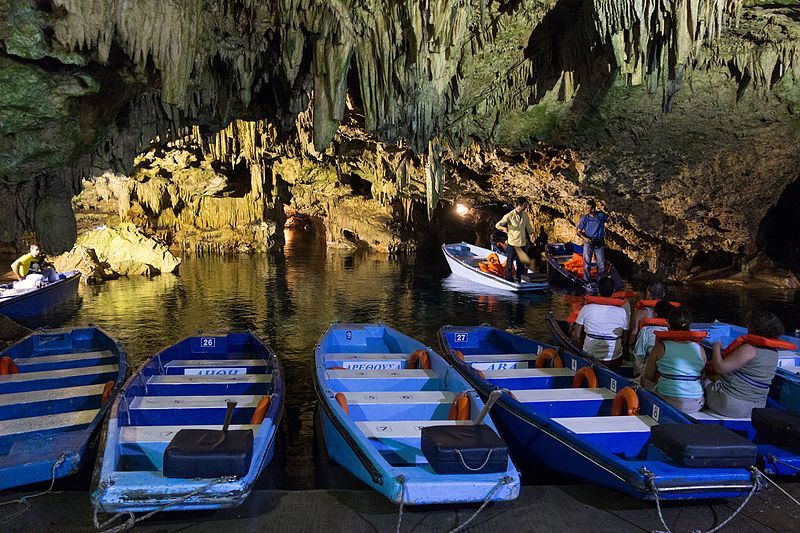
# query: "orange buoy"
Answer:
x=342 y=400
x=459 y=355
x=459 y=408
x=108 y=390
x=585 y=374
x=261 y=410
x=7 y=366
x=549 y=354
x=626 y=398
x=419 y=359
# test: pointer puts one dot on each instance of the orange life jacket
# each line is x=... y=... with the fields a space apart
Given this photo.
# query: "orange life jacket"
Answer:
x=681 y=335
x=617 y=302
x=653 y=322
x=625 y=294
x=758 y=342
x=641 y=304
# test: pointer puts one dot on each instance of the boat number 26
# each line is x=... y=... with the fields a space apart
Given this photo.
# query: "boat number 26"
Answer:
x=207 y=342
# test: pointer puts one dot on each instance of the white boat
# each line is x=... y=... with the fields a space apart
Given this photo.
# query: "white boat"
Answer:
x=464 y=259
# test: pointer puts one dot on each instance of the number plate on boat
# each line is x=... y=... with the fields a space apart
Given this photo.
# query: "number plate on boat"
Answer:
x=613 y=386
x=371 y=365
x=461 y=337
x=207 y=342
x=214 y=371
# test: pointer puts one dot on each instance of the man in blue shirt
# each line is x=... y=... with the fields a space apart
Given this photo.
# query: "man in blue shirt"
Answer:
x=592 y=229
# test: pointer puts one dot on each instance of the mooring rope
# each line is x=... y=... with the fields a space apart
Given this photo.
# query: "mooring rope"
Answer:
x=402 y=481
x=131 y=518
x=486 y=501
x=24 y=500
x=781 y=489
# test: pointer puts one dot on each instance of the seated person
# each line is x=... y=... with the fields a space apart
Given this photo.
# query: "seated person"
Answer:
x=745 y=375
x=646 y=339
x=604 y=326
x=679 y=364
x=655 y=291
x=33 y=263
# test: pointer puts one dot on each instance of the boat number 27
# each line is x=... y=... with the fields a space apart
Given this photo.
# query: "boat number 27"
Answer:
x=207 y=342
x=461 y=337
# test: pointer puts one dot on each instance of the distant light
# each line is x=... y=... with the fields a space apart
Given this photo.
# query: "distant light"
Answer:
x=461 y=210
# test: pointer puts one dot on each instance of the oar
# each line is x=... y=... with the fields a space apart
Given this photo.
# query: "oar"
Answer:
x=493 y=396
x=228 y=416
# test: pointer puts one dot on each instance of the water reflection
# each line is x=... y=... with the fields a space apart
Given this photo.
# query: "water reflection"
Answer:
x=290 y=301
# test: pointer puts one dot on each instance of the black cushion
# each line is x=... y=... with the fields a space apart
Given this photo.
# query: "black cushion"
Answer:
x=208 y=453
x=703 y=445
x=464 y=449
x=777 y=427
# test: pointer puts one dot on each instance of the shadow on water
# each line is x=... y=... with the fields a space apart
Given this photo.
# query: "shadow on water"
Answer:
x=291 y=300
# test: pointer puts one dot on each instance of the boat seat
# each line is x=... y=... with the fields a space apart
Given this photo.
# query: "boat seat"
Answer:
x=562 y=395
x=203 y=363
x=708 y=415
x=29 y=381
x=366 y=356
x=193 y=402
x=399 y=397
x=607 y=424
x=385 y=380
x=529 y=373
x=412 y=373
x=206 y=379
x=64 y=360
x=164 y=434
x=47 y=422
x=50 y=395
x=792 y=368
x=173 y=410
x=210 y=384
x=470 y=358
x=400 y=429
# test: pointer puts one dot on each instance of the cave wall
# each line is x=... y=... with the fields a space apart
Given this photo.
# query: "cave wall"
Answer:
x=681 y=116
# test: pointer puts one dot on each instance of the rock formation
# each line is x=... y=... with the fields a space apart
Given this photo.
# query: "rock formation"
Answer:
x=683 y=117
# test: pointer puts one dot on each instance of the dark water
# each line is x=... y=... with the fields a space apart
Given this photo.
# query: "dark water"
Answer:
x=290 y=301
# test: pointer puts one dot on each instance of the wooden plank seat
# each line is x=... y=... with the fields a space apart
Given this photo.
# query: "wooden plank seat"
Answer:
x=51 y=379
x=205 y=379
x=381 y=374
x=58 y=374
x=202 y=363
x=400 y=429
x=367 y=356
x=562 y=395
x=470 y=358
x=193 y=402
x=57 y=421
x=153 y=434
x=529 y=373
x=64 y=358
x=708 y=415
x=399 y=397
x=607 y=424
x=50 y=395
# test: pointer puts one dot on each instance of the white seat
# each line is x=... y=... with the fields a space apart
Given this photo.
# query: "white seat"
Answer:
x=529 y=373
x=223 y=363
x=792 y=368
x=134 y=434
x=394 y=398
x=47 y=422
x=63 y=358
x=194 y=402
x=562 y=395
x=194 y=379
x=398 y=429
x=707 y=414
x=59 y=374
x=607 y=424
x=47 y=395
x=381 y=374
x=367 y=356
x=471 y=358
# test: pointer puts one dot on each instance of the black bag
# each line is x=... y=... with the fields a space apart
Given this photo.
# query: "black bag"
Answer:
x=777 y=427
x=703 y=445
x=597 y=243
x=464 y=449
x=208 y=453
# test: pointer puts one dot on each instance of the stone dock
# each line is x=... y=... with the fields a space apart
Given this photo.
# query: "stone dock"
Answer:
x=543 y=508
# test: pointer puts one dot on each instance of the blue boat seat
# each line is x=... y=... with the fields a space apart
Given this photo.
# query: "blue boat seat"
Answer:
x=216 y=366
x=531 y=378
x=472 y=358
x=387 y=380
x=402 y=429
x=607 y=424
x=169 y=410
x=68 y=377
x=183 y=384
x=568 y=402
x=66 y=360
x=706 y=415
x=399 y=405
x=58 y=421
x=44 y=402
x=368 y=361
x=792 y=368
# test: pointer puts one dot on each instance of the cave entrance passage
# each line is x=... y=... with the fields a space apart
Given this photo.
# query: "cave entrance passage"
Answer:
x=779 y=233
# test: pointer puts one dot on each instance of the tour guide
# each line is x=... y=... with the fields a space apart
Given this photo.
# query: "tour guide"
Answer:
x=517 y=225
x=592 y=229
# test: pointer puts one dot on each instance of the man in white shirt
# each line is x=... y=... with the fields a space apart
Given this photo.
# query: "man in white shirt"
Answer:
x=604 y=326
x=518 y=226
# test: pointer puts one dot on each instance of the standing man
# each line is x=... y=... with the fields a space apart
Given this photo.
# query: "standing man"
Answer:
x=517 y=225
x=592 y=229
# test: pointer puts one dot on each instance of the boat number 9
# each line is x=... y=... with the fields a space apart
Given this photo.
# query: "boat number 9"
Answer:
x=462 y=337
x=349 y=335
x=207 y=342
x=613 y=385
x=656 y=413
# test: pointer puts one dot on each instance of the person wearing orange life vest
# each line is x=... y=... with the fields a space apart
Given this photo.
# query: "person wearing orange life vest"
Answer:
x=655 y=291
x=679 y=361
x=604 y=324
x=746 y=373
x=646 y=338
x=517 y=225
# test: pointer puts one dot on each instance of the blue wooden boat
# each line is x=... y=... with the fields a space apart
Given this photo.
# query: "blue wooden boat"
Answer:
x=558 y=253
x=550 y=420
x=49 y=410
x=464 y=258
x=187 y=386
x=373 y=404
x=31 y=304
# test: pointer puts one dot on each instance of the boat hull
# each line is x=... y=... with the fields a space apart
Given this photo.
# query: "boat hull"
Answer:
x=38 y=303
x=469 y=272
x=555 y=253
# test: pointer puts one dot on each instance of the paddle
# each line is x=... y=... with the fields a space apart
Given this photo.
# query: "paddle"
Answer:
x=493 y=397
x=228 y=415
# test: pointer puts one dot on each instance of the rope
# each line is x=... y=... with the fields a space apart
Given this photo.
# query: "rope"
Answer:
x=778 y=461
x=24 y=500
x=651 y=482
x=402 y=481
x=132 y=520
x=486 y=501
x=485 y=462
x=780 y=489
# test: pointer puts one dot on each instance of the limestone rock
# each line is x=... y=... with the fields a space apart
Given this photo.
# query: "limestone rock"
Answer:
x=85 y=260
x=128 y=251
